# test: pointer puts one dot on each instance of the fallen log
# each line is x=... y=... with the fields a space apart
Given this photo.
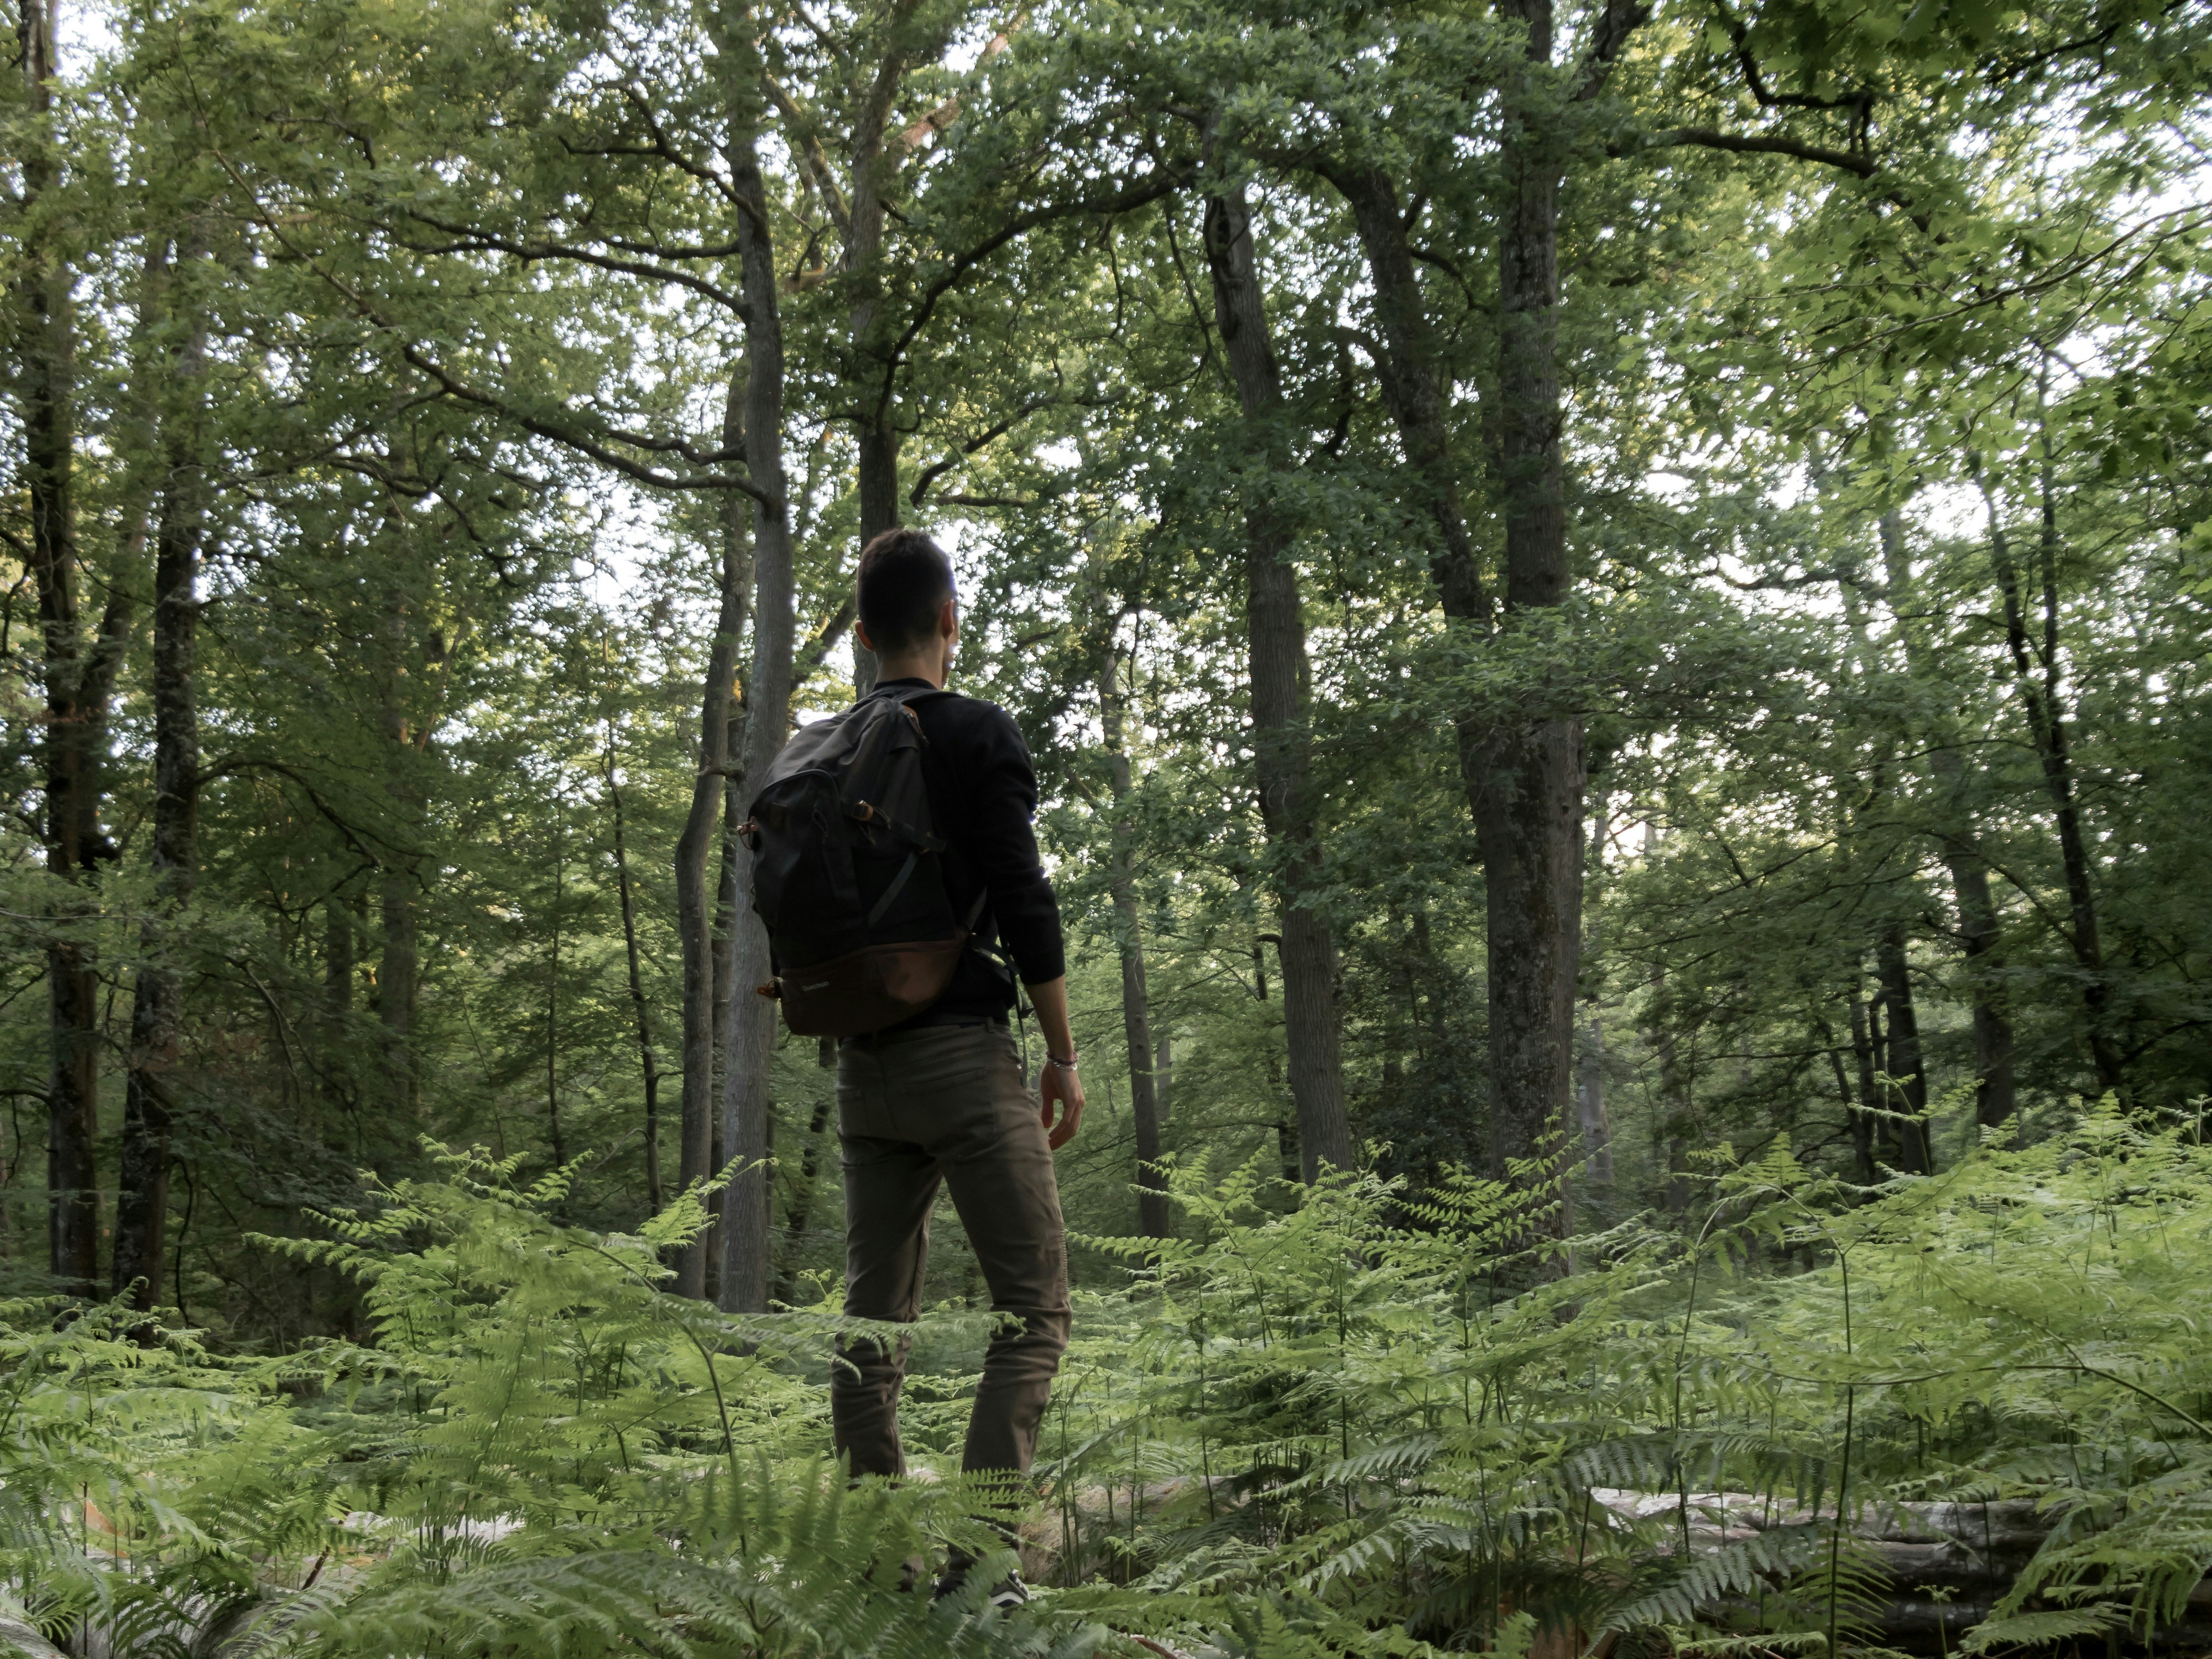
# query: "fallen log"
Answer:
x=1948 y=1563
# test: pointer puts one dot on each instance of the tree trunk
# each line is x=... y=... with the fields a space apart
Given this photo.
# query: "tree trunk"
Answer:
x=78 y=676
x=800 y=1208
x=1854 y=1120
x=694 y=914
x=1589 y=1094
x=1136 y=997
x=725 y=971
x=1995 y=1093
x=1275 y=628
x=1908 y=1077
x=1673 y=1120
x=553 y=992
x=142 y=1179
x=2039 y=678
x=340 y=964
x=1523 y=782
x=1862 y=1121
x=1529 y=820
x=876 y=440
x=399 y=969
x=1163 y=1074
x=1674 y=1114
x=647 y=1060
x=746 y=1252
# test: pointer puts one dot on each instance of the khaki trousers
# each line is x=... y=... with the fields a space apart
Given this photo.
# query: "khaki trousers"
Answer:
x=947 y=1103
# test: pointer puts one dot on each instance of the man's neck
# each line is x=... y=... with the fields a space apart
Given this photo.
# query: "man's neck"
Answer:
x=912 y=668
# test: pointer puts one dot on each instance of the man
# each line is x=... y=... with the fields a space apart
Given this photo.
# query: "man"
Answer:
x=942 y=1099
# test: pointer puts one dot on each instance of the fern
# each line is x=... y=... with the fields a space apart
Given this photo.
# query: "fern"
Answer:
x=1301 y=1429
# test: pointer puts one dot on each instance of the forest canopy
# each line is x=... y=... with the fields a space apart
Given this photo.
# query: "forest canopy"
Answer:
x=1611 y=601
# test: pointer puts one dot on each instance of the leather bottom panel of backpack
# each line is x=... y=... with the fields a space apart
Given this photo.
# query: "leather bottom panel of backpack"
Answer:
x=871 y=989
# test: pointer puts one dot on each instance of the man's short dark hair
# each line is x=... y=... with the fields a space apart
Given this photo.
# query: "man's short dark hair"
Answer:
x=904 y=581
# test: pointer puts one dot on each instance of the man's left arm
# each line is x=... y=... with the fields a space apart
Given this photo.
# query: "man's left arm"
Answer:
x=1002 y=842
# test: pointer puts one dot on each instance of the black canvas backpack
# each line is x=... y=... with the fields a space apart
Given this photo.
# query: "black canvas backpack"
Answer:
x=847 y=872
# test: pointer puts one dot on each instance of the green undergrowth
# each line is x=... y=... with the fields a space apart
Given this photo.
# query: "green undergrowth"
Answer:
x=1363 y=1423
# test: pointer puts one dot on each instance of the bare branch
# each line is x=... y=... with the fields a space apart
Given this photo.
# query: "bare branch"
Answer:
x=1763 y=144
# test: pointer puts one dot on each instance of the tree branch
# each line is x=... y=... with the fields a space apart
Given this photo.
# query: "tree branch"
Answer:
x=474 y=241
x=930 y=475
x=1707 y=138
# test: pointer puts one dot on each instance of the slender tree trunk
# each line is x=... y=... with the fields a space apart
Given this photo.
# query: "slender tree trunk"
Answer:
x=800 y=1208
x=1862 y=1121
x=339 y=961
x=1854 y=1120
x=725 y=971
x=142 y=1179
x=693 y=913
x=1275 y=630
x=1136 y=997
x=1163 y=1074
x=398 y=968
x=649 y=1060
x=1674 y=1120
x=1589 y=1095
x=2039 y=677
x=44 y=358
x=553 y=992
x=1908 y=1086
x=746 y=1245
x=1995 y=1093
x=876 y=440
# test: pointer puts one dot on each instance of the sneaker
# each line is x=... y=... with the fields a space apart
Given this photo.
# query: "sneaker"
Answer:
x=1007 y=1594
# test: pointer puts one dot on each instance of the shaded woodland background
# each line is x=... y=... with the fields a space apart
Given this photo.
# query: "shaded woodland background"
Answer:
x=1645 y=568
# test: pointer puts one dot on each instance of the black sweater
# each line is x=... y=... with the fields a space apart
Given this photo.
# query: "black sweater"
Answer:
x=983 y=794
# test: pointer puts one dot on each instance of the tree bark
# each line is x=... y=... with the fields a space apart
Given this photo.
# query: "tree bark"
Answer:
x=694 y=914
x=143 y=1178
x=648 y=1061
x=750 y=1045
x=1995 y=1093
x=1313 y=1017
x=1136 y=995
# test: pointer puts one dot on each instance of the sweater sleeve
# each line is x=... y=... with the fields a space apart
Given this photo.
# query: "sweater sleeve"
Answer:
x=1002 y=841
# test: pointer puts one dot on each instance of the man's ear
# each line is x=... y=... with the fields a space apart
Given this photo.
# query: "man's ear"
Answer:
x=948 y=619
x=860 y=633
